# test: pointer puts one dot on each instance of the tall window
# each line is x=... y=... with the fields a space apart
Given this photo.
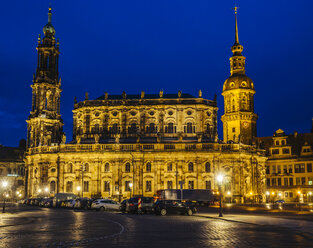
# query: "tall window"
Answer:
x=290 y=181
x=169 y=167
x=273 y=169
x=290 y=168
x=309 y=167
x=148 y=186
x=207 y=167
x=207 y=184
x=151 y=128
x=87 y=123
x=107 y=167
x=169 y=128
x=189 y=128
x=69 y=187
x=191 y=185
x=86 y=168
x=285 y=181
x=127 y=167
x=52 y=186
x=107 y=186
x=278 y=169
x=127 y=186
x=169 y=184
x=70 y=168
x=273 y=181
x=148 y=167
x=86 y=186
x=132 y=129
x=114 y=128
x=190 y=167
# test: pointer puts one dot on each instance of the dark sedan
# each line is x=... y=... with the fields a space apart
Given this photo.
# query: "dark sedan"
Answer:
x=165 y=207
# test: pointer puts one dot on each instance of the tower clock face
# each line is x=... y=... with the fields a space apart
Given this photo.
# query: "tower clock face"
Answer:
x=245 y=124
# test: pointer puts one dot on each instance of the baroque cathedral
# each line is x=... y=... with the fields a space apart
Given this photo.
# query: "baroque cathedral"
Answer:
x=126 y=145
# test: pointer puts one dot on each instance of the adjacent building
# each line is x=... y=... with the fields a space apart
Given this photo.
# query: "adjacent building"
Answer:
x=289 y=174
x=12 y=170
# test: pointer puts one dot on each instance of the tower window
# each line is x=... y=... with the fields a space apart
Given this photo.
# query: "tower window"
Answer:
x=190 y=167
x=234 y=129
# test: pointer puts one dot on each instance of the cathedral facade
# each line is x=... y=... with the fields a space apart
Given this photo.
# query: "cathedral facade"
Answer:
x=126 y=145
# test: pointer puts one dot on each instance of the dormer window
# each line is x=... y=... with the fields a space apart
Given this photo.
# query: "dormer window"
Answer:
x=286 y=151
x=306 y=149
x=275 y=151
x=277 y=142
x=283 y=142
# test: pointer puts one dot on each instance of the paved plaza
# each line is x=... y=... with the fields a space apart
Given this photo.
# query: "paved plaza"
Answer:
x=25 y=226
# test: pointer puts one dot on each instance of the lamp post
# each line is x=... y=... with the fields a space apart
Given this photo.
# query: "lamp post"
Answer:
x=78 y=190
x=299 y=193
x=4 y=185
x=267 y=193
x=131 y=188
x=219 y=182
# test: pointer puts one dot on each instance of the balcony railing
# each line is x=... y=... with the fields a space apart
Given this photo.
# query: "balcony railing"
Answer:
x=226 y=148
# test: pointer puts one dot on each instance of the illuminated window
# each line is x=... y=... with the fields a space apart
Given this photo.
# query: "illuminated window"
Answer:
x=169 y=167
x=69 y=186
x=207 y=184
x=207 y=167
x=190 y=167
x=132 y=129
x=107 y=167
x=191 y=185
x=148 y=186
x=52 y=186
x=86 y=186
x=127 y=167
x=107 y=186
x=148 y=167
x=189 y=128
x=169 y=184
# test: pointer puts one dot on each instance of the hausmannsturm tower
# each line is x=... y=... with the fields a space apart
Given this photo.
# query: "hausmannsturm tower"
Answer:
x=44 y=122
x=239 y=119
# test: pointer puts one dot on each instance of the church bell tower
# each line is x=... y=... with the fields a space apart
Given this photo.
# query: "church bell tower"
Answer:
x=239 y=119
x=44 y=124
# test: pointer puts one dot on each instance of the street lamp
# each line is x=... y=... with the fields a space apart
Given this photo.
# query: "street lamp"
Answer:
x=131 y=188
x=78 y=189
x=46 y=189
x=219 y=179
x=4 y=185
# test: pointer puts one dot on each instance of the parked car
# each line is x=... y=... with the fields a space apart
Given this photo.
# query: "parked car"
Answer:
x=71 y=203
x=279 y=201
x=164 y=207
x=48 y=202
x=59 y=198
x=123 y=206
x=105 y=204
x=146 y=205
x=83 y=203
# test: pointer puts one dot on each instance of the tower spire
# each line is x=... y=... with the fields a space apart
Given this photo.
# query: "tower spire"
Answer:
x=49 y=15
x=236 y=26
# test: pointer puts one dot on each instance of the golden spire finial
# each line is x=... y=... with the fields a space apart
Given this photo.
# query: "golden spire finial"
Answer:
x=236 y=26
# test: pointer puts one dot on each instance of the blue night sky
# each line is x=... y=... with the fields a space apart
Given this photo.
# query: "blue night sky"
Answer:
x=166 y=44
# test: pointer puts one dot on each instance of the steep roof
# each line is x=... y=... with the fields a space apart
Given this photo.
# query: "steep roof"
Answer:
x=11 y=154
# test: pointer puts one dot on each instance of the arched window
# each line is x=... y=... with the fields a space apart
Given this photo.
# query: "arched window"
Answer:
x=86 y=167
x=152 y=128
x=52 y=186
x=107 y=167
x=114 y=128
x=148 y=167
x=207 y=167
x=132 y=129
x=170 y=128
x=96 y=129
x=190 y=167
x=70 y=168
x=169 y=167
x=233 y=105
x=189 y=128
x=127 y=167
x=283 y=143
x=69 y=187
